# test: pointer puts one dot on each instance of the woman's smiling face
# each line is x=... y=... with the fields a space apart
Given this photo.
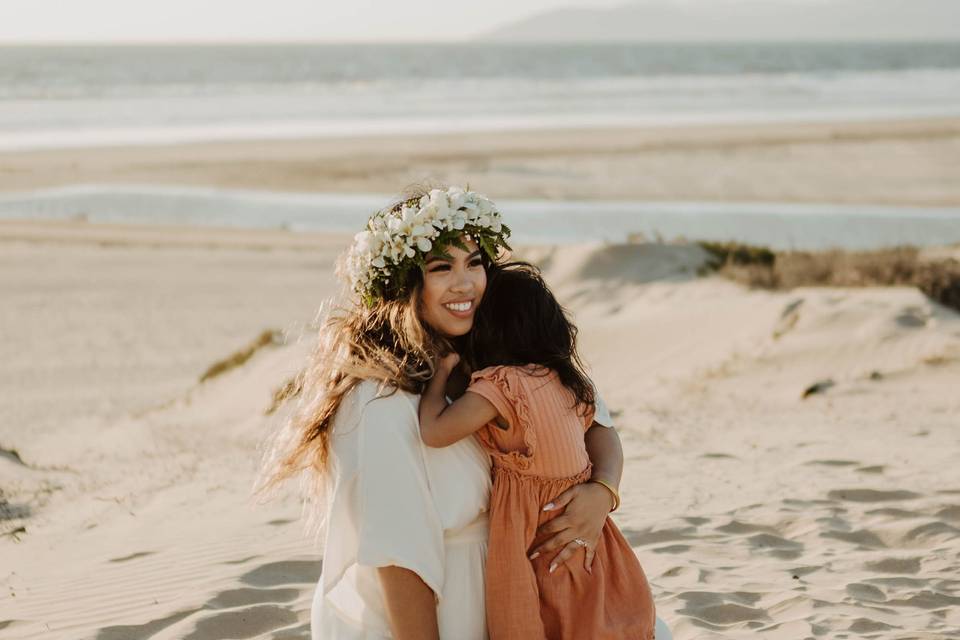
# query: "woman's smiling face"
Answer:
x=452 y=289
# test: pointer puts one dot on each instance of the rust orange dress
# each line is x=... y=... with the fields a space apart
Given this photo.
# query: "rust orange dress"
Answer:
x=541 y=454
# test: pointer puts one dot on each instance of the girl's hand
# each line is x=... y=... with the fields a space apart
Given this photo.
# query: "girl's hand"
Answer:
x=586 y=507
x=449 y=362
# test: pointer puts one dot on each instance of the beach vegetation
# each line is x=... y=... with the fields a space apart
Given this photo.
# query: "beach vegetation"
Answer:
x=237 y=358
x=760 y=267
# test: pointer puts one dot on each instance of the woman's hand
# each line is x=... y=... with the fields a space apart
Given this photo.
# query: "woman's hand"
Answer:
x=585 y=511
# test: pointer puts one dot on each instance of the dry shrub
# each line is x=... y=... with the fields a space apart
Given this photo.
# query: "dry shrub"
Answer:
x=734 y=253
x=888 y=267
x=289 y=389
x=941 y=281
x=237 y=358
x=760 y=267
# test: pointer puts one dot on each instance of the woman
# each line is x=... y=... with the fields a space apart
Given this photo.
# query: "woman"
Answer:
x=406 y=526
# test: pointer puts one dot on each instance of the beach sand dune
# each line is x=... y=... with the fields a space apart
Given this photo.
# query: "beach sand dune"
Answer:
x=757 y=506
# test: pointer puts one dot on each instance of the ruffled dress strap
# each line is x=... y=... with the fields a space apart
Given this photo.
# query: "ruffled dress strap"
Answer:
x=505 y=388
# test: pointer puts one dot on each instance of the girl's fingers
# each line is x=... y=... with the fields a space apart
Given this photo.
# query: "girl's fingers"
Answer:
x=450 y=360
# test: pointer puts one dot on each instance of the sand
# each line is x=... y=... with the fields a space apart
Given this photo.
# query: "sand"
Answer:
x=756 y=512
x=913 y=162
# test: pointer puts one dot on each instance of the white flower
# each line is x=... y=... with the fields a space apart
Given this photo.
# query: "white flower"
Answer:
x=361 y=241
x=456 y=221
x=470 y=211
x=393 y=236
x=458 y=197
x=441 y=202
x=430 y=215
x=485 y=206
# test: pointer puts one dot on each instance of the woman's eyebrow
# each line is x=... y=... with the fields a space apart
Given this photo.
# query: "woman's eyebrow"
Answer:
x=442 y=259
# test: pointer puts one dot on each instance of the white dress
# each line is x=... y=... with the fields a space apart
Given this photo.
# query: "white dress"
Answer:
x=393 y=501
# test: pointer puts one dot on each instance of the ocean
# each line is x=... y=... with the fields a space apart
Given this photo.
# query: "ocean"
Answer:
x=91 y=96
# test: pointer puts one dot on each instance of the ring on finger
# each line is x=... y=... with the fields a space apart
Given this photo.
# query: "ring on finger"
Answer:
x=581 y=542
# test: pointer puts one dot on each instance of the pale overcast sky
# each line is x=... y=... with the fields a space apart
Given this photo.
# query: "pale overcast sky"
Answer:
x=339 y=20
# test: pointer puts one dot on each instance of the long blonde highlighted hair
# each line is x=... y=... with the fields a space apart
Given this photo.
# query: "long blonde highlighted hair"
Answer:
x=385 y=342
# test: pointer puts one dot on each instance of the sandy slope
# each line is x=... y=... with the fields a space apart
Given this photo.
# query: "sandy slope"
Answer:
x=753 y=510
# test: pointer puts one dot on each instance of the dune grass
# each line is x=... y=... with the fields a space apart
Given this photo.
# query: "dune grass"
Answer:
x=760 y=267
x=237 y=358
x=289 y=389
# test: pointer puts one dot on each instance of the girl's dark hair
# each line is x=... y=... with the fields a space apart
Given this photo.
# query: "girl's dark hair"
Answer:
x=520 y=322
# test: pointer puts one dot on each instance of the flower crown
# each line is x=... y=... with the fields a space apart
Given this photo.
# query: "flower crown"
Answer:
x=399 y=239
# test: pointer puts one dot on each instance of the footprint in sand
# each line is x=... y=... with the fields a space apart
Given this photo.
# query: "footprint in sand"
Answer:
x=866 y=625
x=142 y=631
x=251 y=622
x=644 y=537
x=233 y=598
x=833 y=463
x=951 y=512
x=737 y=527
x=246 y=612
x=672 y=548
x=896 y=514
x=871 y=495
x=776 y=546
x=895 y=565
x=912 y=318
x=939 y=531
x=280 y=521
x=866 y=593
x=132 y=556
x=718 y=610
x=718 y=456
x=877 y=468
x=275 y=574
x=861 y=537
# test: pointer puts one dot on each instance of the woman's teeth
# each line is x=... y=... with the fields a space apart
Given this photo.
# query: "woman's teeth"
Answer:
x=459 y=306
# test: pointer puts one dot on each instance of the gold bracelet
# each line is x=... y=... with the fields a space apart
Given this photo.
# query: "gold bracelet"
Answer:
x=612 y=490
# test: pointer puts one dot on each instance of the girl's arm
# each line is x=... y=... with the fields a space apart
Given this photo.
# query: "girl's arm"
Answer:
x=411 y=604
x=441 y=424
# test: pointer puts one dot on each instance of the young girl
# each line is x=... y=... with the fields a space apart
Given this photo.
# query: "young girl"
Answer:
x=529 y=404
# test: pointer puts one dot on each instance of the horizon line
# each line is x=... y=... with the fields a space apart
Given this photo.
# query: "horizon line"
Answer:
x=472 y=40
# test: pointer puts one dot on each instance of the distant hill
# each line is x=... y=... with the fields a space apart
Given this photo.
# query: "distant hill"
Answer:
x=725 y=20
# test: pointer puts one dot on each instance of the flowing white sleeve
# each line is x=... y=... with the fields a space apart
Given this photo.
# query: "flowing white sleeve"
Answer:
x=601 y=414
x=398 y=523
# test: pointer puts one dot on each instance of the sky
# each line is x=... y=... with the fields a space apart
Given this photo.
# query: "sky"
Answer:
x=33 y=21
